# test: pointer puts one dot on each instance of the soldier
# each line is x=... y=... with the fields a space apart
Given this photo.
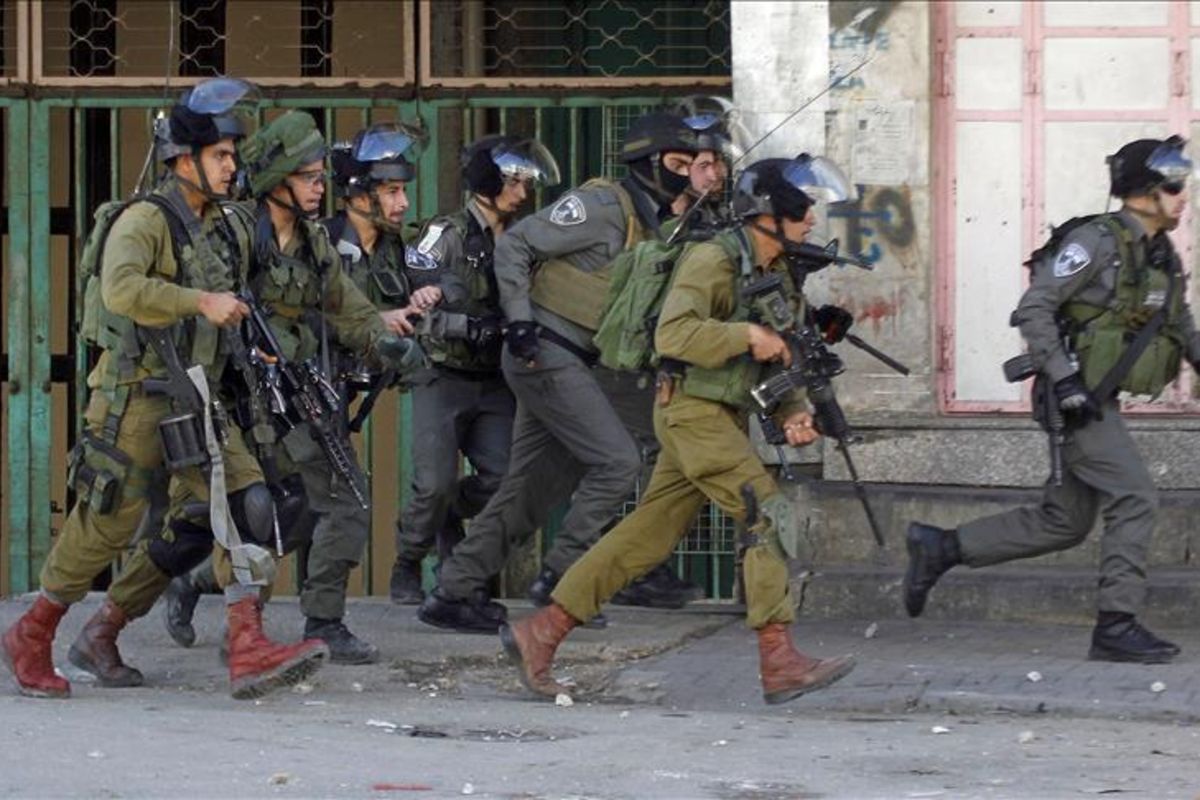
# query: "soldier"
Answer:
x=1097 y=284
x=721 y=139
x=462 y=403
x=370 y=175
x=568 y=442
x=297 y=275
x=168 y=263
x=713 y=355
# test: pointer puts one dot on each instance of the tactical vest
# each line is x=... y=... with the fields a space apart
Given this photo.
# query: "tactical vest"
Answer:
x=380 y=275
x=483 y=295
x=1100 y=334
x=575 y=294
x=202 y=261
x=731 y=383
x=292 y=285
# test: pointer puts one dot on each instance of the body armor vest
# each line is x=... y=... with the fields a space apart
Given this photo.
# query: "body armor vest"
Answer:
x=575 y=294
x=1148 y=279
x=731 y=383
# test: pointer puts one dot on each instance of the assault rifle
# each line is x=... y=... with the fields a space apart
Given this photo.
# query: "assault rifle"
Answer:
x=300 y=394
x=812 y=369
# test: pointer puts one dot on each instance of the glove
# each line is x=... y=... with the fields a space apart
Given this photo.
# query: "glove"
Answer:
x=833 y=322
x=522 y=341
x=1075 y=400
x=400 y=353
x=483 y=332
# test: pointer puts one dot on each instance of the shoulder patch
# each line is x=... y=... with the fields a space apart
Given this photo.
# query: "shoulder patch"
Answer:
x=1070 y=260
x=568 y=211
x=415 y=259
x=432 y=234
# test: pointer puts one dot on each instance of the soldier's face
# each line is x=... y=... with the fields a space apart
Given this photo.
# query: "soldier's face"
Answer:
x=219 y=162
x=514 y=193
x=677 y=162
x=1172 y=199
x=393 y=200
x=308 y=186
x=707 y=173
x=797 y=230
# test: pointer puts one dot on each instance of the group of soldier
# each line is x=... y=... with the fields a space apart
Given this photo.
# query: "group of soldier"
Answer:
x=489 y=321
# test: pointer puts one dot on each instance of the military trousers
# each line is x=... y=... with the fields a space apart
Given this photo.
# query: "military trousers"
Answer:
x=706 y=455
x=1102 y=473
x=341 y=531
x=453 y=412
x=90 y=541
x=568 y=444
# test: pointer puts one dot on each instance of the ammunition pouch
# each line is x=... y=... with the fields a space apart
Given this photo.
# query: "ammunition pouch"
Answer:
x=1100 y=347
x=98 y=472
x=183 y=440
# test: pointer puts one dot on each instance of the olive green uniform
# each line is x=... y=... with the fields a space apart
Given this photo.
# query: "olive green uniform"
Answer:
x=568 y=442
x=141 y=282
x=461 y=404
x=294 y=283
x=1102 y=469
x=706 y=453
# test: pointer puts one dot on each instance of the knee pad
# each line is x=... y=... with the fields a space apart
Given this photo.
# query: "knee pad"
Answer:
x=181 y=547
x=253 y=511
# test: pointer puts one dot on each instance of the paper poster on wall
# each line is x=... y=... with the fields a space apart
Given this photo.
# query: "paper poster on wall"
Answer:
x=883 y=149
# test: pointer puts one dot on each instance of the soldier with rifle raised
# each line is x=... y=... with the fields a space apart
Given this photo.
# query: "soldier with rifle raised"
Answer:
x=713 y=356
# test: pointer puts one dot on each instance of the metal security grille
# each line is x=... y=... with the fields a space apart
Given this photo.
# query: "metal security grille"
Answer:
x=130 y=42
x=593 y=41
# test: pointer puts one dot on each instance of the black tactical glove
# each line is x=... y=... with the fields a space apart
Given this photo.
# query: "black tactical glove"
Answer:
x=833 y=322
x=483 y=332
x=1075 y=400
x=522 y=341
x=400 y=353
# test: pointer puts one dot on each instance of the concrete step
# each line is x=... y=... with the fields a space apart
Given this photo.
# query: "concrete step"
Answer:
x=1045 y=595
x=838 y=532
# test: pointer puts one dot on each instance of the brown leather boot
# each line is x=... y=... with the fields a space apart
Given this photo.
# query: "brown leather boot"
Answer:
x=95 y=648
x=26 y=650
x=531 y=642
x=258 y=665
x=787 y=673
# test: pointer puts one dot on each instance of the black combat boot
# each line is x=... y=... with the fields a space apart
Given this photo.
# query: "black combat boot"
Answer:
x=405 y=587
x=1120 y=637
x=658 y=588
x=479 y=614
x=344 y=646
x=931 y=552
x=179 y=606
x=543 y=586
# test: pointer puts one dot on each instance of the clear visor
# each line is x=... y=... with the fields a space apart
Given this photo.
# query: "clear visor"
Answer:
x=1170 y=161
x=219 y=95
x=819 y=178
x=527 y=160
x=385 y=144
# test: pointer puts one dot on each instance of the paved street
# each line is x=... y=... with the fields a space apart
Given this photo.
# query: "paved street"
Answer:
x=667 y=705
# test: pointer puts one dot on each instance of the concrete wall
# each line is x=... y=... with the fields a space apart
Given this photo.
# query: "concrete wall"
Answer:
x=876 y=125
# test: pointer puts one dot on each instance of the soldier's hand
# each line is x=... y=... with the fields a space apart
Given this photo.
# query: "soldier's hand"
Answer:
x=399 y=320
x=799 y=429
x=401 y=354
x=522 y=341
x=833 y=322
x=223 y=308
x=426 y=297
x=1074 y=398
x=767 y=345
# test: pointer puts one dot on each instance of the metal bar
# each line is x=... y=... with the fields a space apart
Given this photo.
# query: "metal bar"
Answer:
x=114 y=153
x=40 y=405
x=17 y=315
x=81 y=226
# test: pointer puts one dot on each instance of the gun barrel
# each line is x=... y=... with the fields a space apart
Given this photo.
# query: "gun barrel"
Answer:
x=879 y=354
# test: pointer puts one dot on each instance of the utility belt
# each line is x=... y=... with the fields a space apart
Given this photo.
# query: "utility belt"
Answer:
x=589 y=358
x=479 y=375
